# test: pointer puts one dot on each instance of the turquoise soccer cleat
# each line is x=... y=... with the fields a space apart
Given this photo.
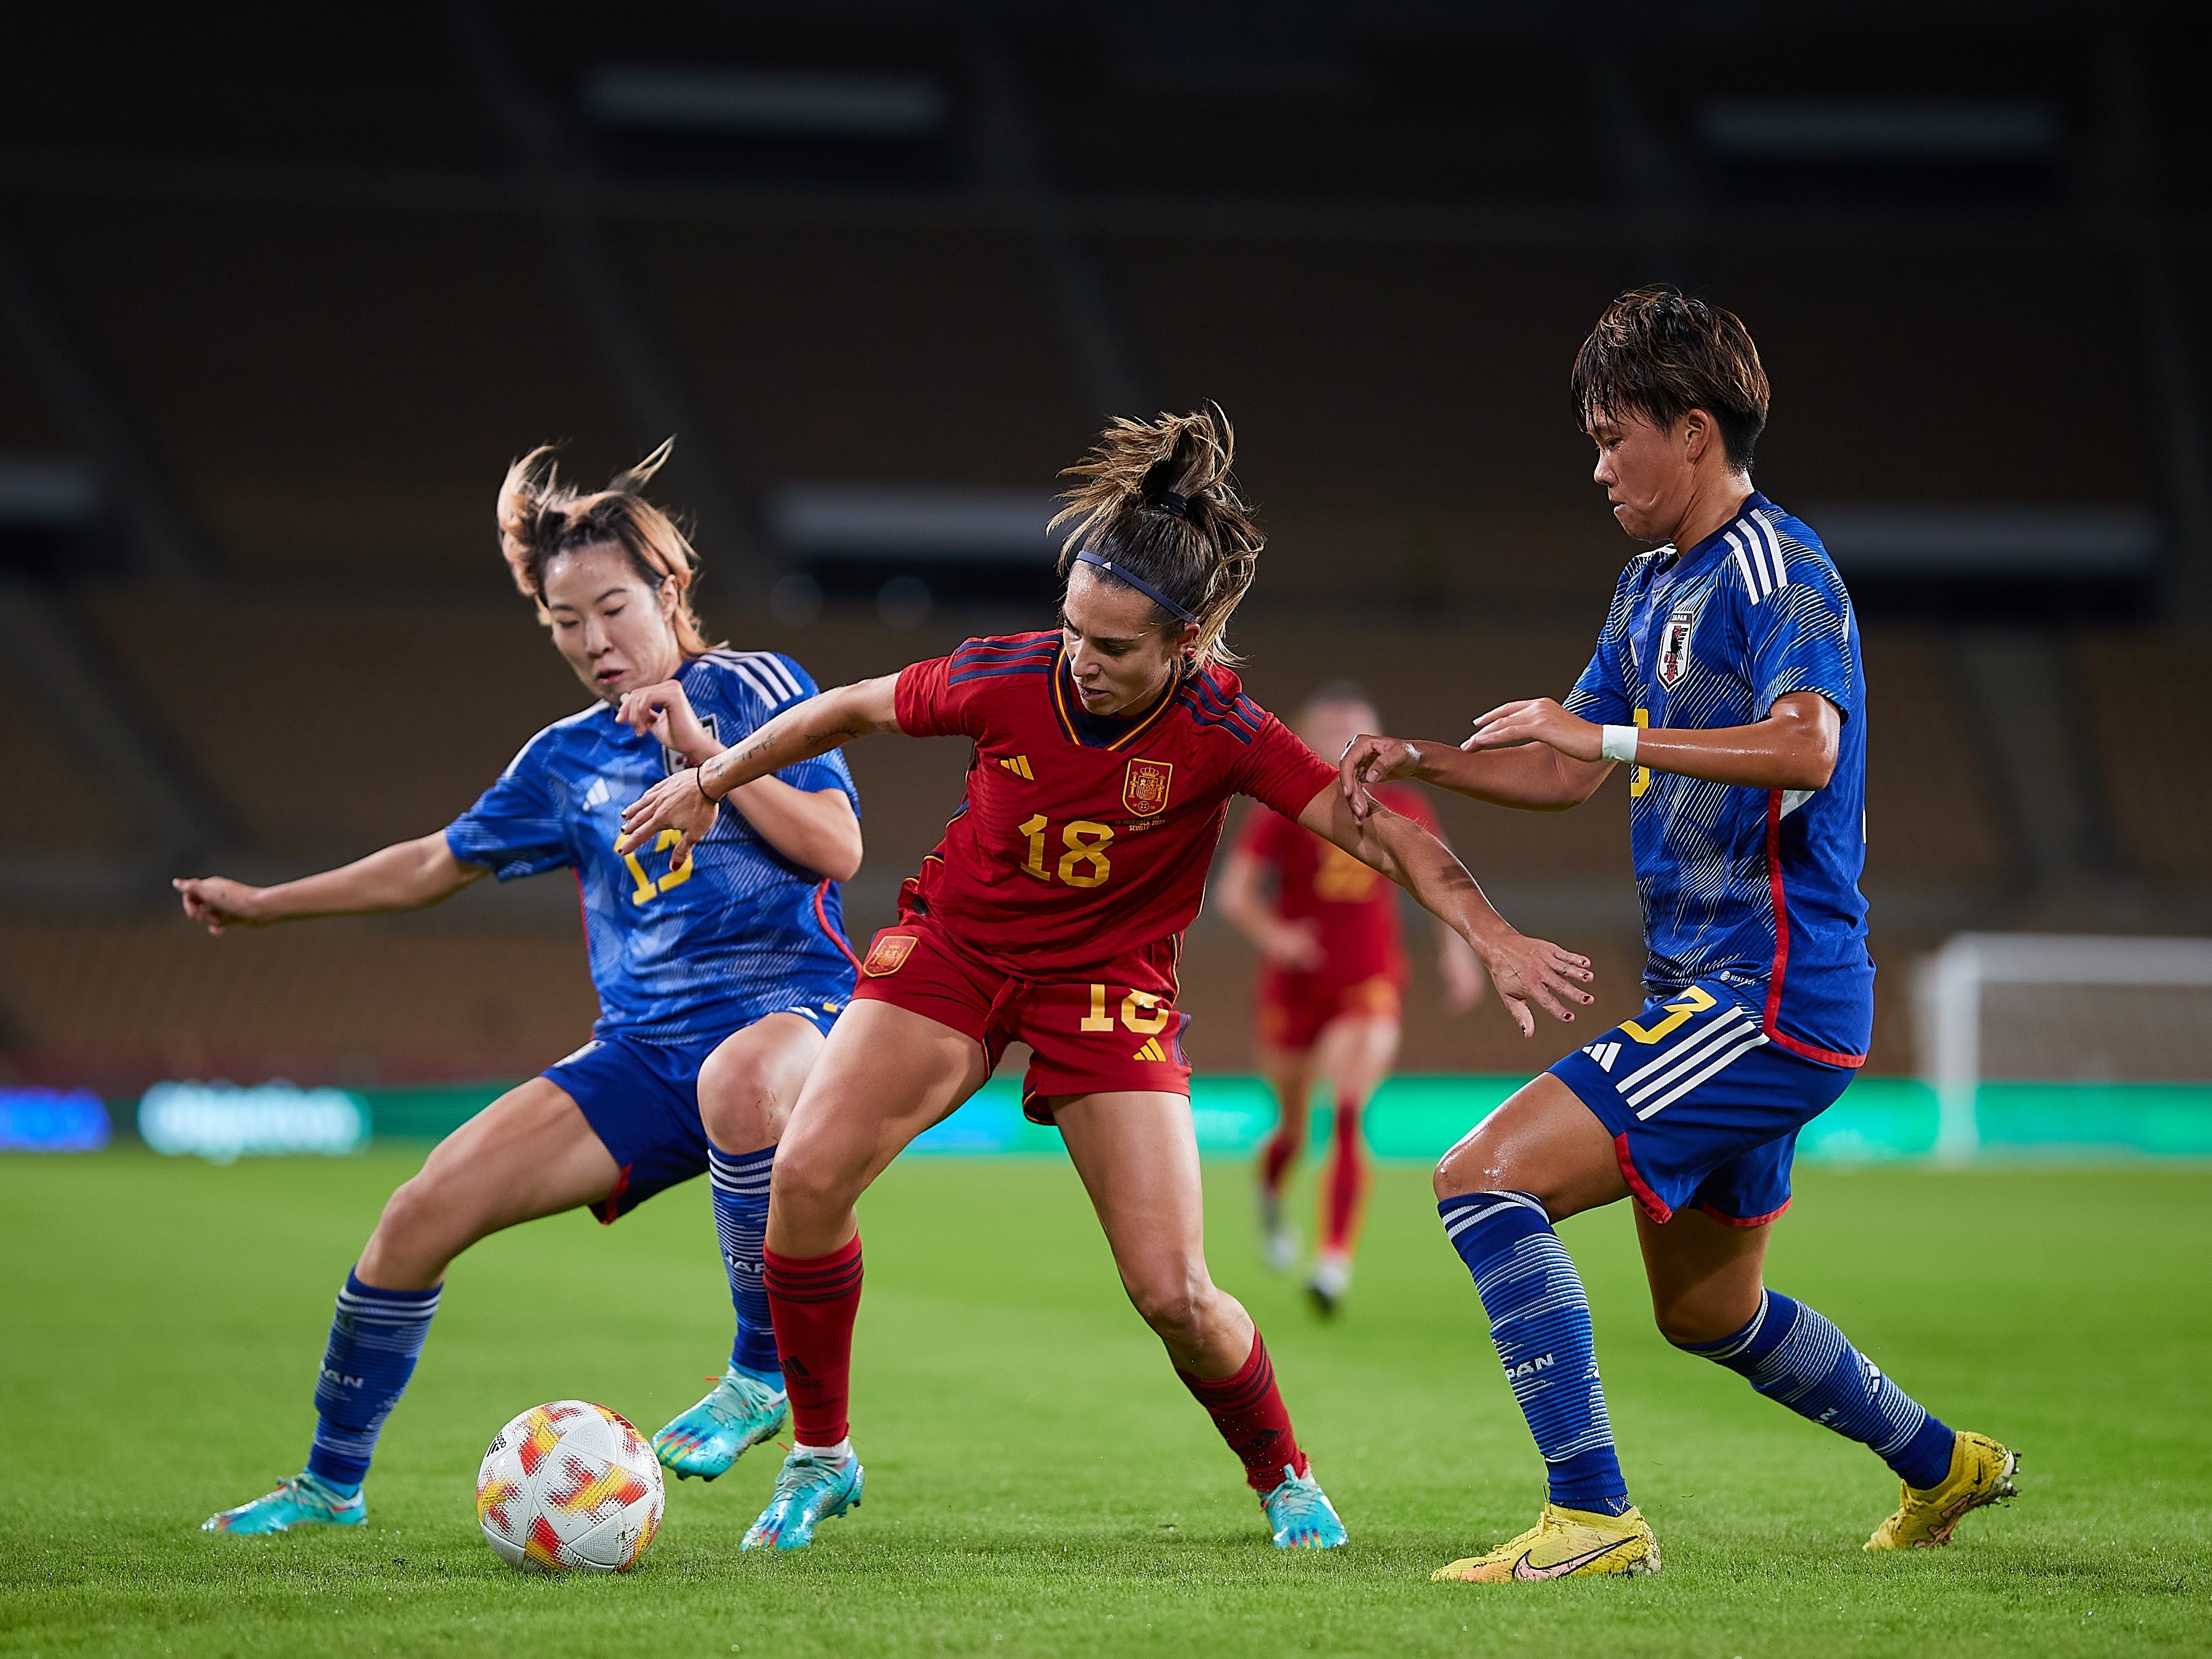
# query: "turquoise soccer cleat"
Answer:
x=1301 y=1516
x=303 y=1501
x=809 y=1491
x=739 y=1413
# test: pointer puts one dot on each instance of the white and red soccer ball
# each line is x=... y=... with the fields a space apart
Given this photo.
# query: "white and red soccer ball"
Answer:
x=569 y=1487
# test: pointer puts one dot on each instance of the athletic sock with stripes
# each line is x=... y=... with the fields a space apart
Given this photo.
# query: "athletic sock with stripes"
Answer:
x=1540 y=1319
x=741 y=1181
x=814 y=1301
x=1248 y=1411
x=1797 y=1357
x=376 y=1336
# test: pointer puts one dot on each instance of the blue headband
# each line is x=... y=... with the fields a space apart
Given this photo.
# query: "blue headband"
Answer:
x=1138 y=582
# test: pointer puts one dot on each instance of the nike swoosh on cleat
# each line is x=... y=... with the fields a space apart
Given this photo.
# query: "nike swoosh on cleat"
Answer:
x=1531 y=1575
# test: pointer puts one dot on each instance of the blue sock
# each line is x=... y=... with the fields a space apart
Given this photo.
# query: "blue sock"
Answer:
x=741 y=1218
x=1791 y=1355
x=376 y=1336
x=1540 y=1319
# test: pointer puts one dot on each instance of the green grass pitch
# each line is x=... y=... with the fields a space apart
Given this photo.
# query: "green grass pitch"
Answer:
x=1037 y=1481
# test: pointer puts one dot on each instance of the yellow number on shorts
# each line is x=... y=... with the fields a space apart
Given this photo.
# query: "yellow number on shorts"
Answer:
x=1145 y=1022
x=1140 y=1012
x=1695 y=1000
x=1640 y=780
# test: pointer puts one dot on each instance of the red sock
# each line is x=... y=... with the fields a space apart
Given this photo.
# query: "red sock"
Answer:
x=1275 y=1159
x=1252 y=1419
x=812 y=1300
x=1347 y=1182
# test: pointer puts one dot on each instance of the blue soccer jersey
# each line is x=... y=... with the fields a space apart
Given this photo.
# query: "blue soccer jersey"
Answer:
x=1755 y=889
x=683 y=952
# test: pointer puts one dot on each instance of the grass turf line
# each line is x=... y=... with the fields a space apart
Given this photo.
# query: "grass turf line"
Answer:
x=1038 y=1482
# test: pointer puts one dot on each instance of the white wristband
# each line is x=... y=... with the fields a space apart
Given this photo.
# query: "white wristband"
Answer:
x=1618 y=744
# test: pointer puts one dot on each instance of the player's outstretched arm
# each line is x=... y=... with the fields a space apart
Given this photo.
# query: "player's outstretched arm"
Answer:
x=816 y=828
x=408 y=875
x=688 y=801
x=1524 y=969
x=1795 y=747
x=1532 y=777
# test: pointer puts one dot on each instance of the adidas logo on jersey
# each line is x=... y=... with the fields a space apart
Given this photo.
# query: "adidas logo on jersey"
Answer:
x=1019 y=766
x=1603 y=1053
x=1151 y=1050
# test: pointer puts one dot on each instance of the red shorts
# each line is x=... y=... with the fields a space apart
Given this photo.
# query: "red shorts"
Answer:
x=1085 y=1038
x=1294 y=1007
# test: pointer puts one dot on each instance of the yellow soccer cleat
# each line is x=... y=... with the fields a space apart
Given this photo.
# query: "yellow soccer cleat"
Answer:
x=1564 y=1544
x=1981 y=1473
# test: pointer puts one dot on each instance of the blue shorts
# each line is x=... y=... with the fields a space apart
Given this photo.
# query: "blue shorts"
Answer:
x=1702 y=1108
x=642 y=1099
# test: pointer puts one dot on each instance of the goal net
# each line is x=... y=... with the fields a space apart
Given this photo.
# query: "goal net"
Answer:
x=2058 y=1007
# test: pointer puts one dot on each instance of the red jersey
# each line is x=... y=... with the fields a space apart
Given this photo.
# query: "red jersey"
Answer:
x=1086 y=842
x=1354 y=909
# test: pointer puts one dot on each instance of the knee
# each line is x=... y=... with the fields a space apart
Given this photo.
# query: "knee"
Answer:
x=1178 y=1308
x=808 y=1183
x=1464 y=1170
x=1693 y=1321
x=413 y=1209
x=739 y=1108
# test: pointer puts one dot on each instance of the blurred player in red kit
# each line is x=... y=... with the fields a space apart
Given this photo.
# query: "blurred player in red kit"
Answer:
x=1104 y=754
x=1331 y=989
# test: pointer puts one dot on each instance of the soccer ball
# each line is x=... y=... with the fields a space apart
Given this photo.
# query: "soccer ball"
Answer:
x=569 y=1485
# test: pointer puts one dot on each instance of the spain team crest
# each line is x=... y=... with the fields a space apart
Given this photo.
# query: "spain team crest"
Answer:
x=1144 y=787
x=888 y=954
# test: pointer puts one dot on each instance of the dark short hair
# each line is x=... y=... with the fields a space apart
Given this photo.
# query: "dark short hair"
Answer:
x=1659 y=354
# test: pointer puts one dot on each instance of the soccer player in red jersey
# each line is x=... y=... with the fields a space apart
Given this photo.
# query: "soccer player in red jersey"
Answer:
x=1052 y=914
x=1331 y=990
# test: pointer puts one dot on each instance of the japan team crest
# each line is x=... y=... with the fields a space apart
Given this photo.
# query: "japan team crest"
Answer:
x=1675 y=645
x=1144 y=787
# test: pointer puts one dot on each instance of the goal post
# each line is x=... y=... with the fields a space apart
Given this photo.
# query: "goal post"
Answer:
x=2056 y=1006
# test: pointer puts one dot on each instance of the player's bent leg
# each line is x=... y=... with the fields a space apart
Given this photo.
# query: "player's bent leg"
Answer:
x=1138 y=1156
x=747 y=1088
x=1290 y=1079
x=1543 y=1155
x=1357 y=1052
x=885 y=1075
x=1709 y=1300
x=529 y=1153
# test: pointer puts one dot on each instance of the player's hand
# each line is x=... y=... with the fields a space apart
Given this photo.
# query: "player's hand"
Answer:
x=220 y=901
x=664 y=711
x=1368 y=761
x=1293 y=945
x=1537 y=720
x=675 y=803
x=1527 y=970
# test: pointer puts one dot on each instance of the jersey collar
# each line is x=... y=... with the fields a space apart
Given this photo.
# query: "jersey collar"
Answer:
x=1078 y=726
x=1671 y=563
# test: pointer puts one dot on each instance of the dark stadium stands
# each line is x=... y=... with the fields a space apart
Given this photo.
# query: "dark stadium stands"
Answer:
x=327 y=276
x=2159 y=800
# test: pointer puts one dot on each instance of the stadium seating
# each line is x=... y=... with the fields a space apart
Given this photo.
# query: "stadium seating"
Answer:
x=2158 y=800
x=1381 y=270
